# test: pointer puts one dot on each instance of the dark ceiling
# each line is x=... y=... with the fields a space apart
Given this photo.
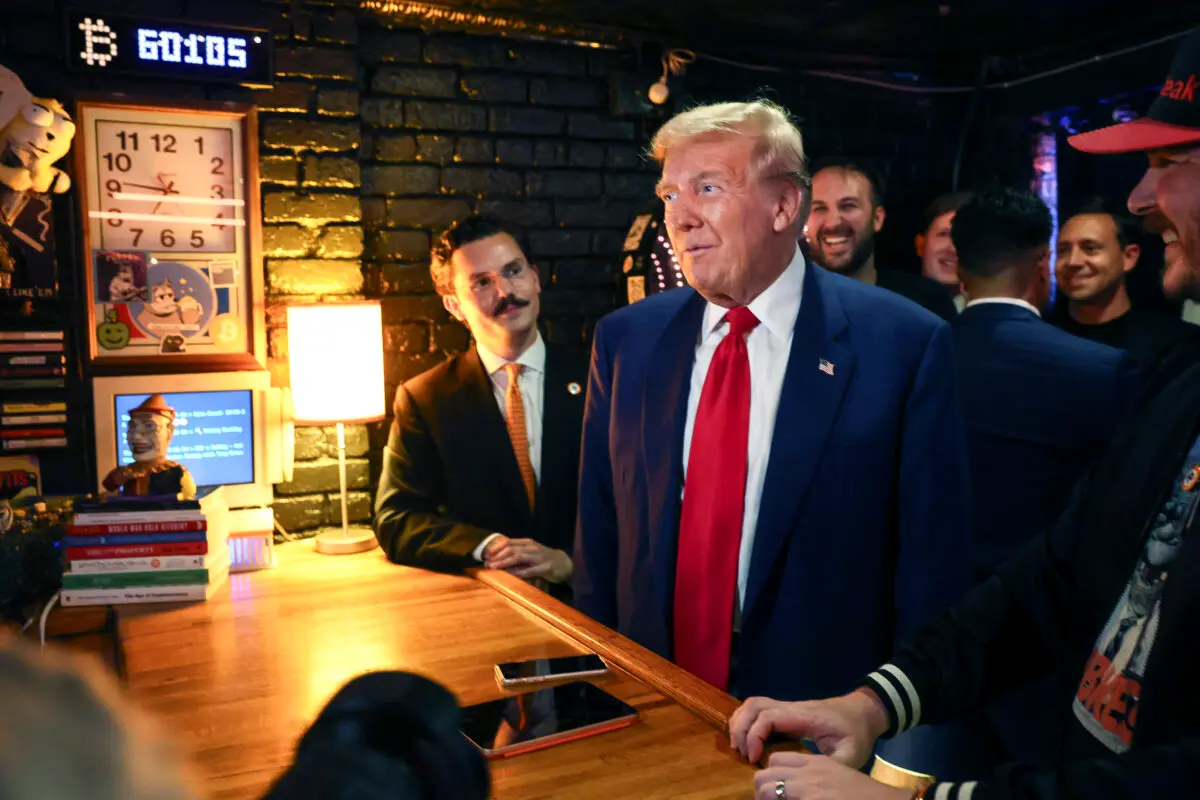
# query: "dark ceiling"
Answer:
x=934 y=39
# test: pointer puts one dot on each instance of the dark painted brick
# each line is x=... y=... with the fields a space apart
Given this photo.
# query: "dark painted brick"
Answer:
x=435 y=149
x=406 y=337
x=479 y=181
x=608 y=243
x=291 y=97
x=570 y=330
x=311 y=477
x=279 y=169
x=415 y=82
x=421 y=307
x=374 y=211
x=383 y=111
x=605 y=62
x=388 y=278
x=338 y=241
x=574 y=272
x=332 y=172
x=527 y=214
x=593 y=215
x=395 y=148
x=387 y=245
x=421 y=213
x=444 y=116
x=550 y=154
x=474 y=151
x=289 y=25
x=626 y=156
x=299 y=134
x=312 y=209
x=565 y=92
x=559 y=243
x=631 y=185
x=400 y=180
x=548 y=59
x=584 y=154
x=576 y=301
x=316 y=62
x=495 y=88
x=302 y=513
x=287 y=241
x=451 y=337
x=594 y=126
x=337 y=102
x=390 y=46
x=310 y=443
x=563 y=184
x=307 y=276
x=405 y=368
x=465 y=51
x=514 y=152
x=527 y=121
x=341 y=27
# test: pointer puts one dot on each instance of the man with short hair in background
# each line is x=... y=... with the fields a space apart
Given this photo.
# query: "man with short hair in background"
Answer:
x=1097 y=247
x=935 y=248
x=847 y=214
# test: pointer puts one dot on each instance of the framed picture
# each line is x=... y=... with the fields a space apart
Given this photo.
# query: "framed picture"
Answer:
x=169 y=205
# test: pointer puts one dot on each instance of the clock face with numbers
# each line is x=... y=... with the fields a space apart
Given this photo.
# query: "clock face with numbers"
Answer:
x=169 y=204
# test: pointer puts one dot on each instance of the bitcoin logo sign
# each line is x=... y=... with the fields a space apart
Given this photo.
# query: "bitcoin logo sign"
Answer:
x=99 y=42
x=226 y=330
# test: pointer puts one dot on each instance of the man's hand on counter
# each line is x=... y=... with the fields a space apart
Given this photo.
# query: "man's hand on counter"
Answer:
x=527 y=559
x=844 y=728
x=805 y=777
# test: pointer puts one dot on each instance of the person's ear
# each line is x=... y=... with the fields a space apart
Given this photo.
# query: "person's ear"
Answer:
x=919 y=243
x=451 y=305
x=879 y=215
x=1130 y=257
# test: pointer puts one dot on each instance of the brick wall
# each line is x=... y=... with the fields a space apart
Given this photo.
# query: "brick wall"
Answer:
x=374 y=140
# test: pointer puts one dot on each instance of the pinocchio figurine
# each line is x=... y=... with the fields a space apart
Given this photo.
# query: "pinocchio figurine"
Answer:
x=151 y=426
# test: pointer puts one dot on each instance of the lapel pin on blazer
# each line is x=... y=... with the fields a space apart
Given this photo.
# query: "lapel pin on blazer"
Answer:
x=826 y=367
x=574 y=388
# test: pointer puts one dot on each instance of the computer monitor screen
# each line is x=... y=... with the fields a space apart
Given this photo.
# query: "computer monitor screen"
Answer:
x=214 y=434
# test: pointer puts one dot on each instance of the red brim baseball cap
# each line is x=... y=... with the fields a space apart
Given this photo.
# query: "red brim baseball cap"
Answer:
x=1173 y=118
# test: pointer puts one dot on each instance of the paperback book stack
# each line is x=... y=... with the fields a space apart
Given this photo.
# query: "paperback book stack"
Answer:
x=146 y=550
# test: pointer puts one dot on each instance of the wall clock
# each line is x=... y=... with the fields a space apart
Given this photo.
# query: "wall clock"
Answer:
x=169 y=204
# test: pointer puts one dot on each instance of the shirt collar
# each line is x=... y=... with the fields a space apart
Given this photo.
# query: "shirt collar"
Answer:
x=1012 y=301
x=533 y=358
x=776 y=308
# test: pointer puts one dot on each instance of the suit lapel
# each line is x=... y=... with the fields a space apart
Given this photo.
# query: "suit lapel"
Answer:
x=559 y=424
x=664 y=413
x=808 y=408
x=490 y=434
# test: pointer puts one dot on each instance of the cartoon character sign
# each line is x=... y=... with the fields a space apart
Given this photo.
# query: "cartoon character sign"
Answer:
x=151 y=427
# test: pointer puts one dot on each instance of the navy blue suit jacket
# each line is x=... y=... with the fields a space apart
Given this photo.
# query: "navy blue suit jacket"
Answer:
x=1040 y=405
x=862 y=531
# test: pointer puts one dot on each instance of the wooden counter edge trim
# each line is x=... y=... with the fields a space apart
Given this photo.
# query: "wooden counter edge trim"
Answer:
x=696 y=695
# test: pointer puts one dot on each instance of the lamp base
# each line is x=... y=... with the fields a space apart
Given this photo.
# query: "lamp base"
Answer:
x=344 y=543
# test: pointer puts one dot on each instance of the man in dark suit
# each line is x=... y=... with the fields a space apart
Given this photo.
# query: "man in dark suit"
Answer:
x=812 y=417
x=1039 y=404
x=481 y=463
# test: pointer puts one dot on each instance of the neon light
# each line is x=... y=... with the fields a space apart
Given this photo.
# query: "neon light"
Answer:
x=1045 y=186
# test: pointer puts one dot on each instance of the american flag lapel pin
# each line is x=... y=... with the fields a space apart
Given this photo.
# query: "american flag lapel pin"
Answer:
x=826 y=366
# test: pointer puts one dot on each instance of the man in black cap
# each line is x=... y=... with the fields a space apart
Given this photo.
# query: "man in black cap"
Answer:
x=1110 y=594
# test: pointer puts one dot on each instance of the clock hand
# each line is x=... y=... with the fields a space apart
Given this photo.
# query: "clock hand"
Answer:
x=147 y=186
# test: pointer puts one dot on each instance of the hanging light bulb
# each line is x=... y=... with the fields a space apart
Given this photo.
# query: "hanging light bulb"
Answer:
x=674 y=63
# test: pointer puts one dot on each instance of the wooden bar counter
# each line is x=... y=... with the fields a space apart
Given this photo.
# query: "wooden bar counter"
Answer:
x=239 y=678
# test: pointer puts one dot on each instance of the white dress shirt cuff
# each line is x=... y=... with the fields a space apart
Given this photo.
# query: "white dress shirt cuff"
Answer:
x=478 y=551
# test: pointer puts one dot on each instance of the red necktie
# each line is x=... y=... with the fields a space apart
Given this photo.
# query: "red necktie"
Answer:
x=714 y=501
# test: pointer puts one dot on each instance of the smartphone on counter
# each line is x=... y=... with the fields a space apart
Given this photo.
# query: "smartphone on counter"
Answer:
x=525 y=673
x=543 y=718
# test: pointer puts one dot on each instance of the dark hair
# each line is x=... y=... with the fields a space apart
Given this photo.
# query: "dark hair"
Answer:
x=874 y=179
x=943 y=204
x=1129 y=231
x=387 y=735
x=464 y=232
x=996 y=226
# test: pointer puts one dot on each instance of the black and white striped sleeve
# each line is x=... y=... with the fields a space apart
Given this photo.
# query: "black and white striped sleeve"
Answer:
x=899 y=696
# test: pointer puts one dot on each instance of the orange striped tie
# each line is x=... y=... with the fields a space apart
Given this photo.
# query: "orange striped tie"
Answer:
x=515 y=414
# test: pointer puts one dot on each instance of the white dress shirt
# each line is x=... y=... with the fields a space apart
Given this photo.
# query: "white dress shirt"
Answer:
x=768 y=347
x=532 y=383
x=1012 y=301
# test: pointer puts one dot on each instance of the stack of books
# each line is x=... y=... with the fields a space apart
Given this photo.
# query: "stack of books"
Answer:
x=146 y=550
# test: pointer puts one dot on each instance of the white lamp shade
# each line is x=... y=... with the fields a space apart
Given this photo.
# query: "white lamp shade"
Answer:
x=335 y=355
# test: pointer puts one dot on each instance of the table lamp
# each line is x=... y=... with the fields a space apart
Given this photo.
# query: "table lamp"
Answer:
x=335 y=355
